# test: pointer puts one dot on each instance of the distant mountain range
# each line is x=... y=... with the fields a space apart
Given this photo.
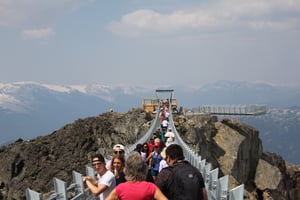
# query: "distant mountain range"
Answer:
x=279 y=131
x=29 y=109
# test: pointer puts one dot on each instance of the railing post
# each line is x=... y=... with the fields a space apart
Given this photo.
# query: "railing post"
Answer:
x=32 y=195
x=202 y=167
x=89 y=171
x=212 y=187
x=206 y=175
x=237 y=193
x=222 y=188
x=77 y=179
x=60 y=189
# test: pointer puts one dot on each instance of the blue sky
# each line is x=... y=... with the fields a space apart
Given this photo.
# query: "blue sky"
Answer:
x=150 y=42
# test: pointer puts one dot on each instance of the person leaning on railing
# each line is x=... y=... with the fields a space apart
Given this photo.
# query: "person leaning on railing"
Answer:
x=105 y=181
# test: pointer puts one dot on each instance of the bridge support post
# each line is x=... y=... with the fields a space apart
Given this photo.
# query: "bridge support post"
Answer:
x=222 y=188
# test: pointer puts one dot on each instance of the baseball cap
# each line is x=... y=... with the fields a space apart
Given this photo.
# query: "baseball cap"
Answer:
x=119 y=146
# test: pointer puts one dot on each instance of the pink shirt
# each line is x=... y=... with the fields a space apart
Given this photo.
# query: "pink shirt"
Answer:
x=136 y=190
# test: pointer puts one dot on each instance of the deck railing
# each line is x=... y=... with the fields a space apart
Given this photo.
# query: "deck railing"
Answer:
x=251 y=110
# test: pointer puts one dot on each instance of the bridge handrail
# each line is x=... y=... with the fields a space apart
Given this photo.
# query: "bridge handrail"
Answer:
x=215 y=187
x=155 y=124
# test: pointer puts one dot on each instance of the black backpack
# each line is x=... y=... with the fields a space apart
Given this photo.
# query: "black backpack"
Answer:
x=187 y=182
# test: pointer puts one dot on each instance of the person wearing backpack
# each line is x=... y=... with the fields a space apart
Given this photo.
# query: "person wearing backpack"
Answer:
x=181 y=180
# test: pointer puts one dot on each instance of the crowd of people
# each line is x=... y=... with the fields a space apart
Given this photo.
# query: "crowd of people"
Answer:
x=154 y=170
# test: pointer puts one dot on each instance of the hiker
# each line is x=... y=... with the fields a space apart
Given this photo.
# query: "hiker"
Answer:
x=105 y=181
x=117 y=149
x=117 y=168
x=181 y=180
x=154 y=160
x=136 y=187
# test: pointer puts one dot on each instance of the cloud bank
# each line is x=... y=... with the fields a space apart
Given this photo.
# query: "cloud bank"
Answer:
x=217 y=15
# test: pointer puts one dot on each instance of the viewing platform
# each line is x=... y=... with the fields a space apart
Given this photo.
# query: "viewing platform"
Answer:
x=250 y=110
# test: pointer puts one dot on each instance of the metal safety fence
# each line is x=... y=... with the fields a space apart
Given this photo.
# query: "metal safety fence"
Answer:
x=217 y=188
x=75 y=191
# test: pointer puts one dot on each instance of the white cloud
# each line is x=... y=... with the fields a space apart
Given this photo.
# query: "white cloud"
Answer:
x=222 y=14
x=38 y=34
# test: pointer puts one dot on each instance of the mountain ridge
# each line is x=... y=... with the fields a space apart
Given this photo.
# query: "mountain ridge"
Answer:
x=39 y=109
x=229 y=145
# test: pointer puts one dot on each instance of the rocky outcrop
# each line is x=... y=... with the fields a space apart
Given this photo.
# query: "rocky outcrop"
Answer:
x=34 y=163
x=230 y=145
x=235 y=148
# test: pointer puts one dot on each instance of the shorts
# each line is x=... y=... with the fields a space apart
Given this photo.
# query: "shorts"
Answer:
x=154 y=172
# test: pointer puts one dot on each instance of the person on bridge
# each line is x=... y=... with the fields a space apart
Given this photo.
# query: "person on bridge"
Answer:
x=181 y=180
x=150 y=145
x=167 y=115
x=117 y=167
x=163 y=163
x=164 y=124
x=170 y=134
x=161 y=134
x=105 y=181
x=139 y=148
x=118 y=149
x=154 y=160
x=136 y=187
x=157 y=139
x=145 y=149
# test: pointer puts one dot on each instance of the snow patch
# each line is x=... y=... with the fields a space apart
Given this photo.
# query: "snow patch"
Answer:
x=10 y=103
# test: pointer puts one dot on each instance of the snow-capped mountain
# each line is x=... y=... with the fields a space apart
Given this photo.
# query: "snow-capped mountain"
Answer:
x=23 y=96
x=29 y=109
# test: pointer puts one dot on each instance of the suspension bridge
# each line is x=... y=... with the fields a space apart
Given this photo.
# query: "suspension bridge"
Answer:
x=217 y=187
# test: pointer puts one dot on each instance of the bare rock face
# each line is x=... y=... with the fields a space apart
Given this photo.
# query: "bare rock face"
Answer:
x=273 y=179
x=33 y=164
x=293 y=171
x=267 y=176
x=235 y=148
x=230 y=145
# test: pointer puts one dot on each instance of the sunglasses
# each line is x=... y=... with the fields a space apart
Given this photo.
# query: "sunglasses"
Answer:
x=118 y=152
